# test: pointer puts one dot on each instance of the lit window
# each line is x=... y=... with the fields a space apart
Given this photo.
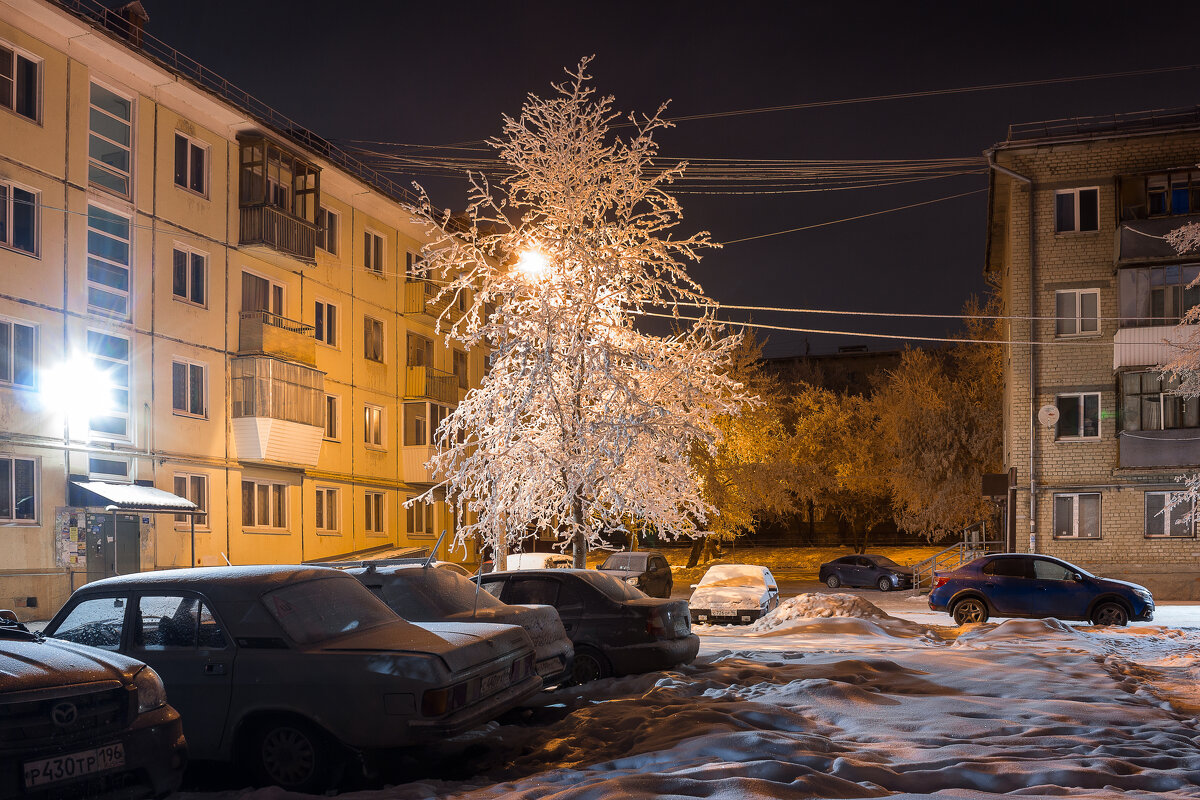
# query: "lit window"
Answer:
x=191 y=160
x=373 y=426
x=1076 y=210
x=108 y=261
x=1077 y=312
x=18 y=354
x=110 y=118
x=110 y=355
x=1077 y=516
x=18 y=218
x=1078 y=415
x=19 y=81
x=189 y=279
x=1168 y=514
x=18 y=489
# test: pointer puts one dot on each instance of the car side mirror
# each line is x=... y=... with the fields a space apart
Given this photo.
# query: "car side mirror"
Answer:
x=1075 y=576
x=695 y=586
x=8 y=616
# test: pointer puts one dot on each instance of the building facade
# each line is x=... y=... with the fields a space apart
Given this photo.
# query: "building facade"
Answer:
x=1077 y=214
x=200 y=296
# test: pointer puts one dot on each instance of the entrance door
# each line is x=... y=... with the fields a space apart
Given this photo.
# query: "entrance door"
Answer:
x=112 y=551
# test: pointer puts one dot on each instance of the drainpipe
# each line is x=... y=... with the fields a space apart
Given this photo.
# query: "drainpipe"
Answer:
x=991 y=158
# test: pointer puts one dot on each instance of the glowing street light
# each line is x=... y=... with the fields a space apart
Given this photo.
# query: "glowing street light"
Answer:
x=78 y=389
x=532 y=264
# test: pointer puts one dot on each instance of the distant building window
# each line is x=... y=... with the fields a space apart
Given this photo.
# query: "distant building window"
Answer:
x=19 y=218
x=1148 y=403
x=19 y=81
x=189 y=279
x=1163 y=520
x=1077 y=312
x=110 y=140
x=18 y=489
x=1076 y=210
x=1077 y=516
x=1153 y=296
x=325 y=512
x=373 y=426
x=191 y=164
x=264 y=505
x=1078 y=415
x=108 y=261
x=420 y=519
x=194 y=488
x=327 y=230
x=374 y=516
x=110 y=355
x=332 y=417
x=372 y=339
x=325 y=322
x=373 y=251
x=18 y=354
x=187 y=388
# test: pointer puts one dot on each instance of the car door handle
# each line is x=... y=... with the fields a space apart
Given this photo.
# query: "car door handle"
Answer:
x=214 y=669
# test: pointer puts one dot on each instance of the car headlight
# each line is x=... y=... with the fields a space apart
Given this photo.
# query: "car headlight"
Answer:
x=150 y=690
x=1144 y=594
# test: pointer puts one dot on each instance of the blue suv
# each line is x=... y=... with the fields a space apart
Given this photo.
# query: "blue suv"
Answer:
x=1022 y=585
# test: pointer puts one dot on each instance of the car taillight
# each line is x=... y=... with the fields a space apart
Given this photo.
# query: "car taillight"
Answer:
x=436 y=702
x=939 y=580
x=522 y=668
x=655 y=626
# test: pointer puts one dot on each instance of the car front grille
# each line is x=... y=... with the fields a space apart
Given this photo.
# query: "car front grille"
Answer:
x=33 y=719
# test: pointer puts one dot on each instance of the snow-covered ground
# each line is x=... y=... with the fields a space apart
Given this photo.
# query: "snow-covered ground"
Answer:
x=833 y=696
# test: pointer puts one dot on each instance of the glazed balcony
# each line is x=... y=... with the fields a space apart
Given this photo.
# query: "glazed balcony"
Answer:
x=278 y=410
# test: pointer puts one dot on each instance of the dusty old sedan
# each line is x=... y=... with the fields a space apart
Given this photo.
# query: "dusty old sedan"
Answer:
x=647 y=570
x=420 y=593
x=79 y=722
x=731 y=593
x=296 y=671
x=616 y=629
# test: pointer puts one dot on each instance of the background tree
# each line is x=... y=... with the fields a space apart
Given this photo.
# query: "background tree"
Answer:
x=583 y=420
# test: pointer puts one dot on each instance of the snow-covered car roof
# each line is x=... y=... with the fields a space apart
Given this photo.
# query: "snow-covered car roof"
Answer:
x=736 y=575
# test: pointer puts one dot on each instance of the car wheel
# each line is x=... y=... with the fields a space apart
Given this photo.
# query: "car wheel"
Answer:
x=884 y=584
x=590 y=665
x=1110 y=614
x=833 y=581
x=972 y=609
x=292 y=754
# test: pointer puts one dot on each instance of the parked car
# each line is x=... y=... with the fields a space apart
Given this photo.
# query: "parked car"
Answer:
x=648 y=570
x=730 y=593
x=77 y=721
x=1025 y=585
x=866 y=570
x=426 y=594
x=449 y=566
x=615 y=628
x=538 y=561
x=294 y=671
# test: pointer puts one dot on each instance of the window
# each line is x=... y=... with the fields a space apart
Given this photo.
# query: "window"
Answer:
x=1158 y=295
x=325 y=512
x=194 y=488
x=191 y=164
x=420 y=518
x=416 y=431
x=189 y=278
x=110 y=355
x=110 y=118
x=18 y=489
x=108 y=259
x=264 y=505
x=108 y=469
x=18 y=218
x=1148 y=403
x=1174 y=193
x=332 y=417
x=1078 y=312
x=19 y=82
x=460 y=368
x=325 y=323
x=96 y=623
x=1077 y=516
x=1076 y=210
x=1079 y=416
x=187 y=388
x=172 y=622
x=1164 y=520
x=372 y=339
x=18 y=354
x=272 y=176
x=327 y=230
x=260 y=294
x=1046 y=570
x=373 y=251
x=414 y=270
x=420 y=351
x=373 y=426
x=373 y=518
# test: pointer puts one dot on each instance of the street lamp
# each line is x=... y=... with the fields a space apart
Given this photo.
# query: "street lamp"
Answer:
x=532 y=264
x=77 y=388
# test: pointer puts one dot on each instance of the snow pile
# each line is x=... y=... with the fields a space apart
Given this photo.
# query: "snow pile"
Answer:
x=808 y=606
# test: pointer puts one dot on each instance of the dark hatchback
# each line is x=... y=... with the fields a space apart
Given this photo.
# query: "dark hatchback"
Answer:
x=616 y=629
x=79 y=722
x=1023 y=585
x=647 y=570
x=865 y=570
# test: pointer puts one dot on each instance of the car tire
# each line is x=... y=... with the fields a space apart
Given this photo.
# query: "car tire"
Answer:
x=590 y=665
x=1110 y=614
x=884 y=584
x=292 y=754
x=970 y=609
x=833 y=581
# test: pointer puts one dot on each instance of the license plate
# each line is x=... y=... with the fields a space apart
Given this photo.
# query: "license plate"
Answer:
x=492 y=683
x=723 y=611
x=74 y=765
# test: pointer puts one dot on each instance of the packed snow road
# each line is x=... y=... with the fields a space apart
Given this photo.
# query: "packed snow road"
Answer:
x=831 y=697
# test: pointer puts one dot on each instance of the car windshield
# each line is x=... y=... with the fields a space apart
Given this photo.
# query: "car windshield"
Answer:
x=420 y=593
x=626 y=562
x=734 y=575
x=612 y=588
x=884 y=561
x=317 y=610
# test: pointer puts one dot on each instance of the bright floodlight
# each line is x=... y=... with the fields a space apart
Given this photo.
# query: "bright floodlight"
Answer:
x=77 y=388
x=532 y=264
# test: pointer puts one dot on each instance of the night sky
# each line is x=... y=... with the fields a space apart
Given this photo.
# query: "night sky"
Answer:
x=443 y=73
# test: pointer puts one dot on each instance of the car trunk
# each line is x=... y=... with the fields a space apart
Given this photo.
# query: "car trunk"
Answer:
x=673 y=614
x=456 y=644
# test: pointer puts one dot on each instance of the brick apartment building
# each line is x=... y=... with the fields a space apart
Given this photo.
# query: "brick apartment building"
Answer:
x=1076 y=216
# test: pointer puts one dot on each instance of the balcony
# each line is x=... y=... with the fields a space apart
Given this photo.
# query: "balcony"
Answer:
x=278 y=410
x=1141 y=240
x=1170 y=448
x=421 y=297
x=267 y=226
x=415 y=457
x=264 y=333
x=427 y=383
x=1150 y=346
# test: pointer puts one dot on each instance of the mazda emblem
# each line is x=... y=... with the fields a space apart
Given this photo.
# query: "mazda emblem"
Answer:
x=64 y=714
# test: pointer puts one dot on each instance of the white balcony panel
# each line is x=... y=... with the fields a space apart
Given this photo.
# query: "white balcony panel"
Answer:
x=1149 y=347
x=415 y=457
x=266 y=439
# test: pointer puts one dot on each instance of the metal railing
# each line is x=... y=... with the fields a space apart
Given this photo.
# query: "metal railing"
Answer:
x=427 y=383
x=974 y=544
x=276 y=321
x=1098 y=126
x=278 y=230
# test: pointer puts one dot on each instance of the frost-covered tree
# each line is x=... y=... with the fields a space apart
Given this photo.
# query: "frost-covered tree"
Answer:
x=583 y=421
x=1184 y=368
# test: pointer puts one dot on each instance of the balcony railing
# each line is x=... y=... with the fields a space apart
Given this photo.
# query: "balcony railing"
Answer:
x=1178 y=447
x=261 y=332
x=421 y=297
x=267 y=225
x=1149 y=346
x=427 y=383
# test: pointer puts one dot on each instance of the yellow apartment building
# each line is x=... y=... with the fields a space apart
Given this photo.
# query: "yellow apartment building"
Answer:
x=200 y=296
